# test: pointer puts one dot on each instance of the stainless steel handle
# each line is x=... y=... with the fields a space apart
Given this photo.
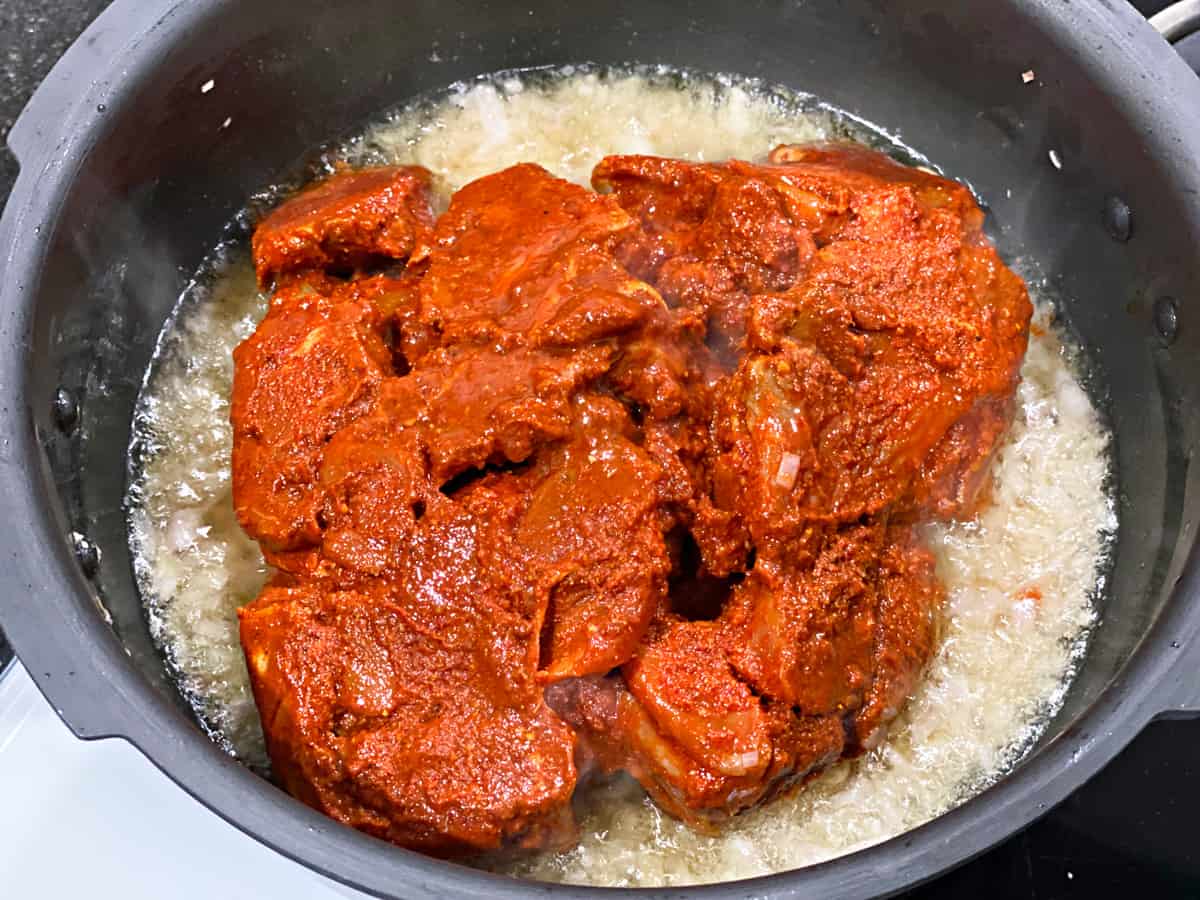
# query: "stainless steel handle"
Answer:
x=1178 y=20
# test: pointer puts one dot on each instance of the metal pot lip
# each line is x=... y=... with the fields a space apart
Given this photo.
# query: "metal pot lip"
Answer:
x=183 y=753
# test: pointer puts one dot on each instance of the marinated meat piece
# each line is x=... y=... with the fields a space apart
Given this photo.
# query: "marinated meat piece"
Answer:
x=664 y=369
x=578 y=531
x=375 y=488
x=954 y=475
x=395 y=295
x=876 y=344
x=909 y=596
x=800 y=667
x=409 y=708
x=592 y=542
x=682 y=678
x=525 y=259
x=715 y=235
x=314 y=365
x=768 y=421
x=803 y=634
x=918 y=346
x=826 y=179
x=676 y=201
x=351 y=218
x=600 y=483
x=483 y=405
x=703 y=797
x=670 y=197
x=408 y=705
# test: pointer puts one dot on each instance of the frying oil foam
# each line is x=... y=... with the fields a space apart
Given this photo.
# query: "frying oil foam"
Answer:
x=1019 y=577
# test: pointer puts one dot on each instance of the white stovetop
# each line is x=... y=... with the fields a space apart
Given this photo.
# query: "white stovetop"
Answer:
x=95 y=818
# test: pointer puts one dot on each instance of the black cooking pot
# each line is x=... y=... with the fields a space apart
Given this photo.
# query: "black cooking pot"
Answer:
x=129 y=168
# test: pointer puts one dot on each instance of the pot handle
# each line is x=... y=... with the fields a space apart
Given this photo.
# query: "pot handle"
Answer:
x=1179 y=23
x=39 y=130
x=1178 y=20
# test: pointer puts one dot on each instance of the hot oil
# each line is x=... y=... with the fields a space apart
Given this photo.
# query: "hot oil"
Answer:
x=194 y=564
x=1020 y=577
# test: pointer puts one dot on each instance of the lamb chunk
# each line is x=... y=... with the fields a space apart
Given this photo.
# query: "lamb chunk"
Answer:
x=409 y=707
x=683 y=679
x=481 y=405
x=352 y=218
x=592 y=541
x=909 y=596
x=525 y=259
x=803 y=634
x=314 y=365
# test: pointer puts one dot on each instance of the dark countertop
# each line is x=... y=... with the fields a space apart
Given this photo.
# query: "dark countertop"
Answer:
x=33 y=34
x=1130 y=831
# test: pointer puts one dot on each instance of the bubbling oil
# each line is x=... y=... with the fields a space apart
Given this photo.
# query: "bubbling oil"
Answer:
x=1020 y=578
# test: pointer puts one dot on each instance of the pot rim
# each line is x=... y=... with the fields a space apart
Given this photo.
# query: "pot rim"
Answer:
x=54 y=632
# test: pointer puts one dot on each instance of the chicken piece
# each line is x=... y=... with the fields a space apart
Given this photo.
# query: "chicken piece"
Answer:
x=350 y=219
x=525 y=259
x=409 y=707
x=314 y=365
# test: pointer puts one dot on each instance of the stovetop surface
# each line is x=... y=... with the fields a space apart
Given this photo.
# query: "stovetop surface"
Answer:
x=120 y=826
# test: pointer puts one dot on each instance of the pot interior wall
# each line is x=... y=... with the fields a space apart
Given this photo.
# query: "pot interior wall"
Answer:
x=163 y=176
